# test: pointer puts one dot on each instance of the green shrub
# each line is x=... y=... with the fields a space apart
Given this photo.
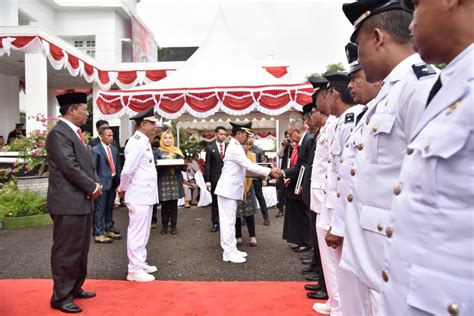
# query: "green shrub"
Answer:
x=18 y=204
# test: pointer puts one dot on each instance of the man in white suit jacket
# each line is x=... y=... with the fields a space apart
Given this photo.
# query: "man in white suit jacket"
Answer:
x=230 y=189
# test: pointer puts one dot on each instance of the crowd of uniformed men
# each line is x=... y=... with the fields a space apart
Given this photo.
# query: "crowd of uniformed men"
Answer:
x=387 y=196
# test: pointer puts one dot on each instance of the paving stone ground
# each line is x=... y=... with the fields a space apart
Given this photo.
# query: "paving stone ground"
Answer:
x=193 y=254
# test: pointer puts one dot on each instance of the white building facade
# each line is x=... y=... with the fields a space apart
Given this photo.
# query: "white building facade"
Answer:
x=106 y=35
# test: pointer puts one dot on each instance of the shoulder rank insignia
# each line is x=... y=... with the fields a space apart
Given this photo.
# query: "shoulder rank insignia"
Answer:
x=453 y=107
x=136 y=136
x=423 y=70
x=349 y=118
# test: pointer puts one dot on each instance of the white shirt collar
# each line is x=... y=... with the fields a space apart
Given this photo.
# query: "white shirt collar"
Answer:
x=72 y=126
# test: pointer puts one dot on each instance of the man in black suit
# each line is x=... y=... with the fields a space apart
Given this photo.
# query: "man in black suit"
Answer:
x=108 y=167
x=96 y=141
x=214 y=163
x=296 y=226
x=73 y=185
x=284 y=153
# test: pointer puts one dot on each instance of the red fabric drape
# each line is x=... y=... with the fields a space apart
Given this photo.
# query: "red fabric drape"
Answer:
x=139 y=103
x=156 y=75
x=56 y=52
x=22 y=41
x=88 y=69
x=302 y=98
x=107 y=106
x=274 y=103
x=202 y=105
x=173 y=105
x=73 y=61
x=277 y=72
x=243 y=101
x=127 y=77
x=104 y=76
x=265 y=135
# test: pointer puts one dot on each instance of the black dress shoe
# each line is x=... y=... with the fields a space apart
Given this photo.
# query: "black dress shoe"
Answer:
x=84 y=294
x=312 y=287
x=280 y=214
x=215 y=228
x=302 y=249
x=67 y=308
x=308 y=261
x=312 y=277
x=266 y=222
x=319 y=295
x=311 y=271
x=308 y=256
x=174 y=231
x=164 y=231
x=307 y=269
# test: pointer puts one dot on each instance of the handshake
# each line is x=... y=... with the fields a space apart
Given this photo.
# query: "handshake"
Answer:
x=277 y=173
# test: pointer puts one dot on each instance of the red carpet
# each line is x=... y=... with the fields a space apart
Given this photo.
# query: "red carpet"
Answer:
x=31 y=297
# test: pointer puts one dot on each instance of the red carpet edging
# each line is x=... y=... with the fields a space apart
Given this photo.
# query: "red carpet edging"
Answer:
x=31 y=297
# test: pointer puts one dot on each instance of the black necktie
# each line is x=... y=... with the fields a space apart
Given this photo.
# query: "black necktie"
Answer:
x=437 y=85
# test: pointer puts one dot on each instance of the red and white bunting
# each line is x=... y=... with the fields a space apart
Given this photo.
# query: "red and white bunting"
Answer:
x=60 y=58
x=204 y=102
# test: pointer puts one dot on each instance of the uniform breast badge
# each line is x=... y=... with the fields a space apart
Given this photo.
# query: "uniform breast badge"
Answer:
x=453 y=107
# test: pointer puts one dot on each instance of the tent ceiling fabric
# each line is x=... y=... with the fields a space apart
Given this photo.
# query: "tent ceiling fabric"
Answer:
x=219 y=77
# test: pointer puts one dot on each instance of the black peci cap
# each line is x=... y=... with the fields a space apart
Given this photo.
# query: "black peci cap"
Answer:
x=308 y=107
x=241 y=126
x=357 y=12
x=72 y=98
x=352 y=58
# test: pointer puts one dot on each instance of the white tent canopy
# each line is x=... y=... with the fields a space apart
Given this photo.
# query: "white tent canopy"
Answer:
x=220 y=76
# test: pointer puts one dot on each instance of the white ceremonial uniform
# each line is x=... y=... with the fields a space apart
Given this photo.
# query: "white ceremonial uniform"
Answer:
x=349 y=300
x=384 y=137
x=322 y=159
x=230 y=189
x=429 y=262
x=140 y=183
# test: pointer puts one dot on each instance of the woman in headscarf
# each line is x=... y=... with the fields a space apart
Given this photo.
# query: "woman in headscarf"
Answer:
x=247 y=208
x=170 y=182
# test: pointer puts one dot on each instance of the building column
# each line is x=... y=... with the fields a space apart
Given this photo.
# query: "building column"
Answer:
x=95 y=110
x=53 y=107
x=36 y=82
x=9 y=104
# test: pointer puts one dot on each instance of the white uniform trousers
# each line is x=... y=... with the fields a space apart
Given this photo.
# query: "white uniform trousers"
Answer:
x=329 y=263
x=370 y=299
x=137 y=235
x=227 y=218
x=352 y=303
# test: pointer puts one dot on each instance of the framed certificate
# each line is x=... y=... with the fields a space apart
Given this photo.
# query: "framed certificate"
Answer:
x=299 y=182
x=169 y=162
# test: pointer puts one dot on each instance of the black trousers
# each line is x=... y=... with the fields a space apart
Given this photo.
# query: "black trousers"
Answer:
x=169 y=213
x=250 y=220
x=154 y=219
x=69 y=254
x=281 y=195
x=257 y=187
x=214 y=206
x=316 y=264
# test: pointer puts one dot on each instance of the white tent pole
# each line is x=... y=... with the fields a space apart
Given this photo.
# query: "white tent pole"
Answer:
x=177 y=135
x=277 y=145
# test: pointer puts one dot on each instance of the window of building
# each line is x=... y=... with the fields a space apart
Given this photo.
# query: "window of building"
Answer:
x=90 y=52
x=90 y=43
x=78 y=44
